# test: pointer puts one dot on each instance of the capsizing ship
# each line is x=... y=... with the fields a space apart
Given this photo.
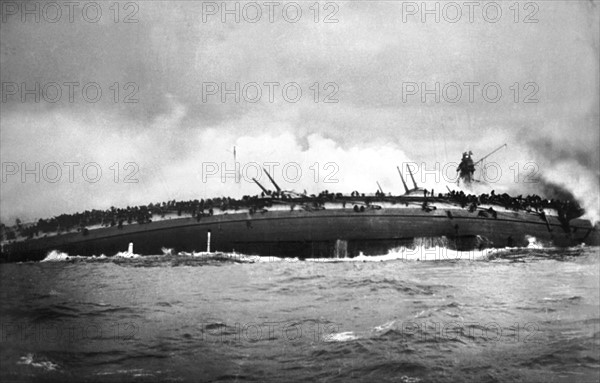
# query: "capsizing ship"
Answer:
x=289 y=224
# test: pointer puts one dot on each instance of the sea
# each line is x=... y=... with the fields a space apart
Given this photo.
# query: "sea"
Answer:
x=510 y=315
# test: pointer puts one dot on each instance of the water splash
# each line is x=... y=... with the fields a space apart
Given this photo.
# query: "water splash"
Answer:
x=56 y=256
x=533 y=243
x=340 y=337
x=127 y=255
x=421 y=253
x=31 y=360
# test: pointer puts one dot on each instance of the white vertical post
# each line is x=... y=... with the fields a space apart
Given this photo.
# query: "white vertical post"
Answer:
x=130 y=248
x=208 y=242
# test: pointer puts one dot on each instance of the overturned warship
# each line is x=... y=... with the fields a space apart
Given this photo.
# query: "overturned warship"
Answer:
x=285 y=223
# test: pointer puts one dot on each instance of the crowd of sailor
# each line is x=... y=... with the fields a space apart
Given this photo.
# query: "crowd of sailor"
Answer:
x=200 y=208
x=528 y=203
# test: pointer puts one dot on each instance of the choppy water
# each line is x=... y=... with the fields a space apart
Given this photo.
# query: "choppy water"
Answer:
x=527 y=315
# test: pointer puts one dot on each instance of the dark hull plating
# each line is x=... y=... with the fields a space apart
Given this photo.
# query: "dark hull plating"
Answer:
x=311 y=234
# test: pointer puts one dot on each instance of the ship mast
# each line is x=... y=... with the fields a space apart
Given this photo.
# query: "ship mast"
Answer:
x=238 y=174
x=235 y=166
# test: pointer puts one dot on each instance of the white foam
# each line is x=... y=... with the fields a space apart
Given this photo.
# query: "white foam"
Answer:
x=438 y=253
x=56 y=256
x=533 y=243
x=219 y=255
x=347 y=336
x=340 y=337
x=29 y=360
x=126 y=255
x=419 y=253
x=129 y=254
x=384 y=326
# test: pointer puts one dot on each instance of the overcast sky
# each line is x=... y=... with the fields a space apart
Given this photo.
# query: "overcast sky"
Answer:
x=371 y=58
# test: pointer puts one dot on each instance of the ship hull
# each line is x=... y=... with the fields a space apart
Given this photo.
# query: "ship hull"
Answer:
x=315 y=234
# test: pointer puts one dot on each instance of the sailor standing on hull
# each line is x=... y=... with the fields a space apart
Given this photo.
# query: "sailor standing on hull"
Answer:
x=466 y=168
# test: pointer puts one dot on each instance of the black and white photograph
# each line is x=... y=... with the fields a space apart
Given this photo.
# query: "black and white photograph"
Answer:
x=300 y=191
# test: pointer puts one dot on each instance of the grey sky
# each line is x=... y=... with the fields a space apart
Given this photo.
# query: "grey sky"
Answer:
x=370 y=55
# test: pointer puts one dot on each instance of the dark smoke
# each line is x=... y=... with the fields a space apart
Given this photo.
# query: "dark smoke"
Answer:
x=551 y=190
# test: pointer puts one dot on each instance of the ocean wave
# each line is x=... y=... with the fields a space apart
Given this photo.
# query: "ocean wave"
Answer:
x=422 y=253
x=56 y=256
x=59 y=256
x=127 y=255
x=38 y=362
x=167 y=256
x=340 y=337
x=347 y=336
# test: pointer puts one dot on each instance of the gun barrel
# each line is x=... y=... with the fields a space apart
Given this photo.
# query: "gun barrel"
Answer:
x=272 y=180
x=411 y=176
x=260 y=186
x=403 y=182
